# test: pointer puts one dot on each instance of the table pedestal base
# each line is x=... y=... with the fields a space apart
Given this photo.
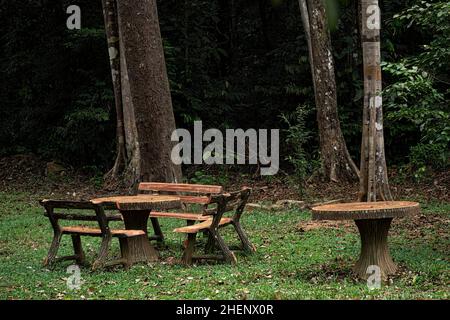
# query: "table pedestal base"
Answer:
x=139 y=248
x=374 y=248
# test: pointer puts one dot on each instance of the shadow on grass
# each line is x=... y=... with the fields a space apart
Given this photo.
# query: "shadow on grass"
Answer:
x=337 y=270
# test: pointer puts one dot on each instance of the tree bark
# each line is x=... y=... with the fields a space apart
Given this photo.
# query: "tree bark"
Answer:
x=305 y=21
x=144 y=106
x=112 y=37
x=374 y=183
x=337 y=164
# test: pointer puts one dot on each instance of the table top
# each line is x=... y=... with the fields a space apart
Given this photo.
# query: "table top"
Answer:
x=365 y=210
x=140 y=202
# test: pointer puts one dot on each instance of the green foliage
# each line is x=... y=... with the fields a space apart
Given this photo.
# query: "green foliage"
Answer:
x=231 y=67
x=83 y=135
x=201 y=177
x=417 y=100
x=56 y=84
x=433 y=18
x=425 y=156
x=416 y=111
x=297 y=136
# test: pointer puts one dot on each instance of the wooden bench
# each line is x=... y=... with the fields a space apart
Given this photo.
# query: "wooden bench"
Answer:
x=229 y=202
x=208 y=197
x=190 y=194
x=77 y=231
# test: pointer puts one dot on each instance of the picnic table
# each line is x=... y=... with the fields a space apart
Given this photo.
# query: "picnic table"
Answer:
x=373 y=220
x=135 y=211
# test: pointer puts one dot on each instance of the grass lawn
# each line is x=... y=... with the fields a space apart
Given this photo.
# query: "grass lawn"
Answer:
x=290 y=263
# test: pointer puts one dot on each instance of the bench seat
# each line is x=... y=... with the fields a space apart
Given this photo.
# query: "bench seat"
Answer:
x=93 y=232
x=202 y=226
x=180 y=215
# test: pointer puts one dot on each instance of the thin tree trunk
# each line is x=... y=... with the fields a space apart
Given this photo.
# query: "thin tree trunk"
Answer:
x=337 y=164
x=307 y=28
x=146 y=107
x=374 y=183
x=112 y=36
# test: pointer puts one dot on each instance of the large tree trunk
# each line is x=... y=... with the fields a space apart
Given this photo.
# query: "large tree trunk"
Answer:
x=337 y=164
x=145 y=119
x=374 y=183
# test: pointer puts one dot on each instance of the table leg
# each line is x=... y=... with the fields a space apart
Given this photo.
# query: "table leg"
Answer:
x=157 y=229
x=374 y=247
x=139 y=248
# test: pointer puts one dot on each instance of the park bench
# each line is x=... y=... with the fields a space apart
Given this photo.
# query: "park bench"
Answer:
x=209 y=198
x=228 y=202
x=86 y=211
x=189 y=194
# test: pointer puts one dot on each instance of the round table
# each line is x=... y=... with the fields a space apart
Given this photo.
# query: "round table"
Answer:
x=373 y=220
x=135 y=211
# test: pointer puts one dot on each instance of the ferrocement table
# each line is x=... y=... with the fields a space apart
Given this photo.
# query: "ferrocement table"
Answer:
x=373 y=220
x=135 y=211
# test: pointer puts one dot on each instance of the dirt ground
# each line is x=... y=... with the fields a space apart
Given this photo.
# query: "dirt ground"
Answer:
x=29 y=174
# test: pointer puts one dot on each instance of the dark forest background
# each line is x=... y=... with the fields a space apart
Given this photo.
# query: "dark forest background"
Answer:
x=232 y=64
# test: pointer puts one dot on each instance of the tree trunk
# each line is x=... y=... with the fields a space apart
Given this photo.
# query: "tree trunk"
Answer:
x=374 y=183
x=112 y=36
x=144 y=106
x=337 y=164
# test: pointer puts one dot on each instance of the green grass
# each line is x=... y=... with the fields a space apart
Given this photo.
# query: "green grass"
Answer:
x=289 y=264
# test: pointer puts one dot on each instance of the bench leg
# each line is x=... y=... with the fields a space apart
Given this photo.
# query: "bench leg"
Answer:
x=246 y=244
x=157 y=229
x=210 y=243
x=189 y=250
x=78 y=249
x=103 y=253
x=190 y=222
x=53 y=249
x=227 y=253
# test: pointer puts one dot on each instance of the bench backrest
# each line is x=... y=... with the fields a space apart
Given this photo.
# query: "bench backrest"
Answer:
x=188 y=193
x=228 y=202
x=86 y=211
